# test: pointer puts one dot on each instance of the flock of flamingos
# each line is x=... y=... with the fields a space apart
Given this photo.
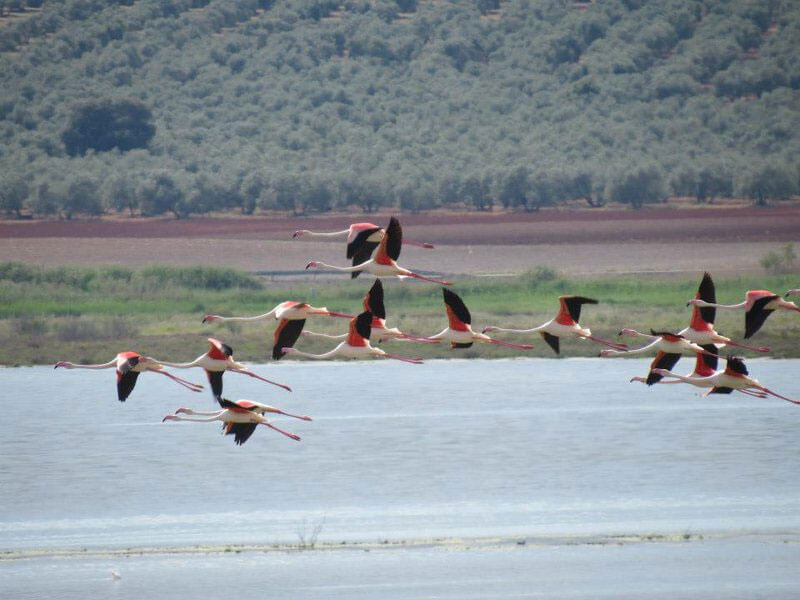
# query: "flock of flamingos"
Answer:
x=375 y=250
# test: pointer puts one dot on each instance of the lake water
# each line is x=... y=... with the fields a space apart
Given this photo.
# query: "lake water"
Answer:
x=452 y=479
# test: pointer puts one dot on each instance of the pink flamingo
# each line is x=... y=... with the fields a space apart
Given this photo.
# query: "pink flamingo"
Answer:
x=757 y=306
x=383 y=263
x=128 y=366
x=215 y=362
x=239 y=418
x=564 y=324
x=356 y=345
x=362 y=239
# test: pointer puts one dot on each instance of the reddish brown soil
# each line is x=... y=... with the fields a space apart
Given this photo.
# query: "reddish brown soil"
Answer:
x=575 y=242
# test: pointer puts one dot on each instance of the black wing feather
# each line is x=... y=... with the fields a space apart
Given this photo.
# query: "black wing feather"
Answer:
x=720 y=390
x=215 y=380
x=359 y=242
x=288 y=335
x=755 y=317
x=457 y=305
x=362 y=255
x=710 y=361
x=663 y=360
x=707 y=292
x=240 y=431
x=736 y=364
x=552 y=340
x=394 y=243
x=364 y=324
x=375 y=300
x=574 y=303
x=125 y=384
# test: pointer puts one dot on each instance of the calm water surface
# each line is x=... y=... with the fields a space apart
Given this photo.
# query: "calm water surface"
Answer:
x=514 y=449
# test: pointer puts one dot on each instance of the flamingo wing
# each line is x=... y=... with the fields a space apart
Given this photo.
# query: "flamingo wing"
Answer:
x=362 y=324
x=286 y=334
x=663 y=360
x=219 y=350
x=373 y=301
x=755 y=317
x=573 y=305
x=215 y=381
x=393 y=240
x=720 y=390
x=359 y=242
x=362 y=255
x=552 y=340
x=707 y=292
x=126 y=380
x=709 y=363
x=241 y=432
x=735 y=366
x=457 y=311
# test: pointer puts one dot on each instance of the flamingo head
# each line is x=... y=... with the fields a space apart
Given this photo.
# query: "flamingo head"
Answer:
x=182 y=411
x=63 y=363
x=288 y=350
x=210 y=318
x=696 y=302
x=170 y=418
x=795 y=292
x=300 y=232
x=639 y=379
x=312 y=265
x=628 y=332
x=488 y=328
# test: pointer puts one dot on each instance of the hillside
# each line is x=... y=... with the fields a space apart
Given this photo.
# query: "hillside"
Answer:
x=191 y=106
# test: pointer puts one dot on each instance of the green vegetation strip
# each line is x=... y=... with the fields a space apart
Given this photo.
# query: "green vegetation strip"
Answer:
x=90 y=314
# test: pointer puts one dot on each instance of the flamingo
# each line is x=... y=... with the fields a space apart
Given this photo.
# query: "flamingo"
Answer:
x=670 y=346
x=373 y=302
x=383 y=263
x=128 y=366
x=701 y=328
x=734 y=377
x=795 y=292
x=705 y=365
x=565 y=323
x=459 y=331
x=356 y=345
x=362 y=239
x=216 y=361
x=757 y=306
x=239 y=418
x=292 y=316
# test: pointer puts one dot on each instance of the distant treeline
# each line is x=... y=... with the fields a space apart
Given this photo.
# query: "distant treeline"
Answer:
x=191 y=106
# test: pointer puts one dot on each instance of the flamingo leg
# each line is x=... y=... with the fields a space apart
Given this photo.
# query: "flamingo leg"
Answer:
x=414 y=338
x=510 y=345
x=286 y=433
x=751 y=348
x=752 y=393
x=423 y=278
x=251 y=374
x=610 y=344
x=286 y=414
x=195 y=387
x=779 y=396
x=418 y=244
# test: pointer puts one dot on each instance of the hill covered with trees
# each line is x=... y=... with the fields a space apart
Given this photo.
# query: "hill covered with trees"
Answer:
x=190 y=106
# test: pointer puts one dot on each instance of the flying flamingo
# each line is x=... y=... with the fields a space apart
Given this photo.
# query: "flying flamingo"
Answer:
x=356 y=345
x=128 y=366
x=239 y=418
x=701 y=328
x=564 y=324
x=292 y=317
x=705 y=365
x=383 y=263
x=373 y=302
x=734 y=377
x=459 y=331
x=670 y=346
x=216 y=361
x=362 y=239
x=758 y=305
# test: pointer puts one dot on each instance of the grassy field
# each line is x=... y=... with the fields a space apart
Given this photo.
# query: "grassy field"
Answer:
x=89 y=314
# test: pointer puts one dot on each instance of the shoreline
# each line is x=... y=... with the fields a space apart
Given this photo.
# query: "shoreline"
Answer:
x=462 y=544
